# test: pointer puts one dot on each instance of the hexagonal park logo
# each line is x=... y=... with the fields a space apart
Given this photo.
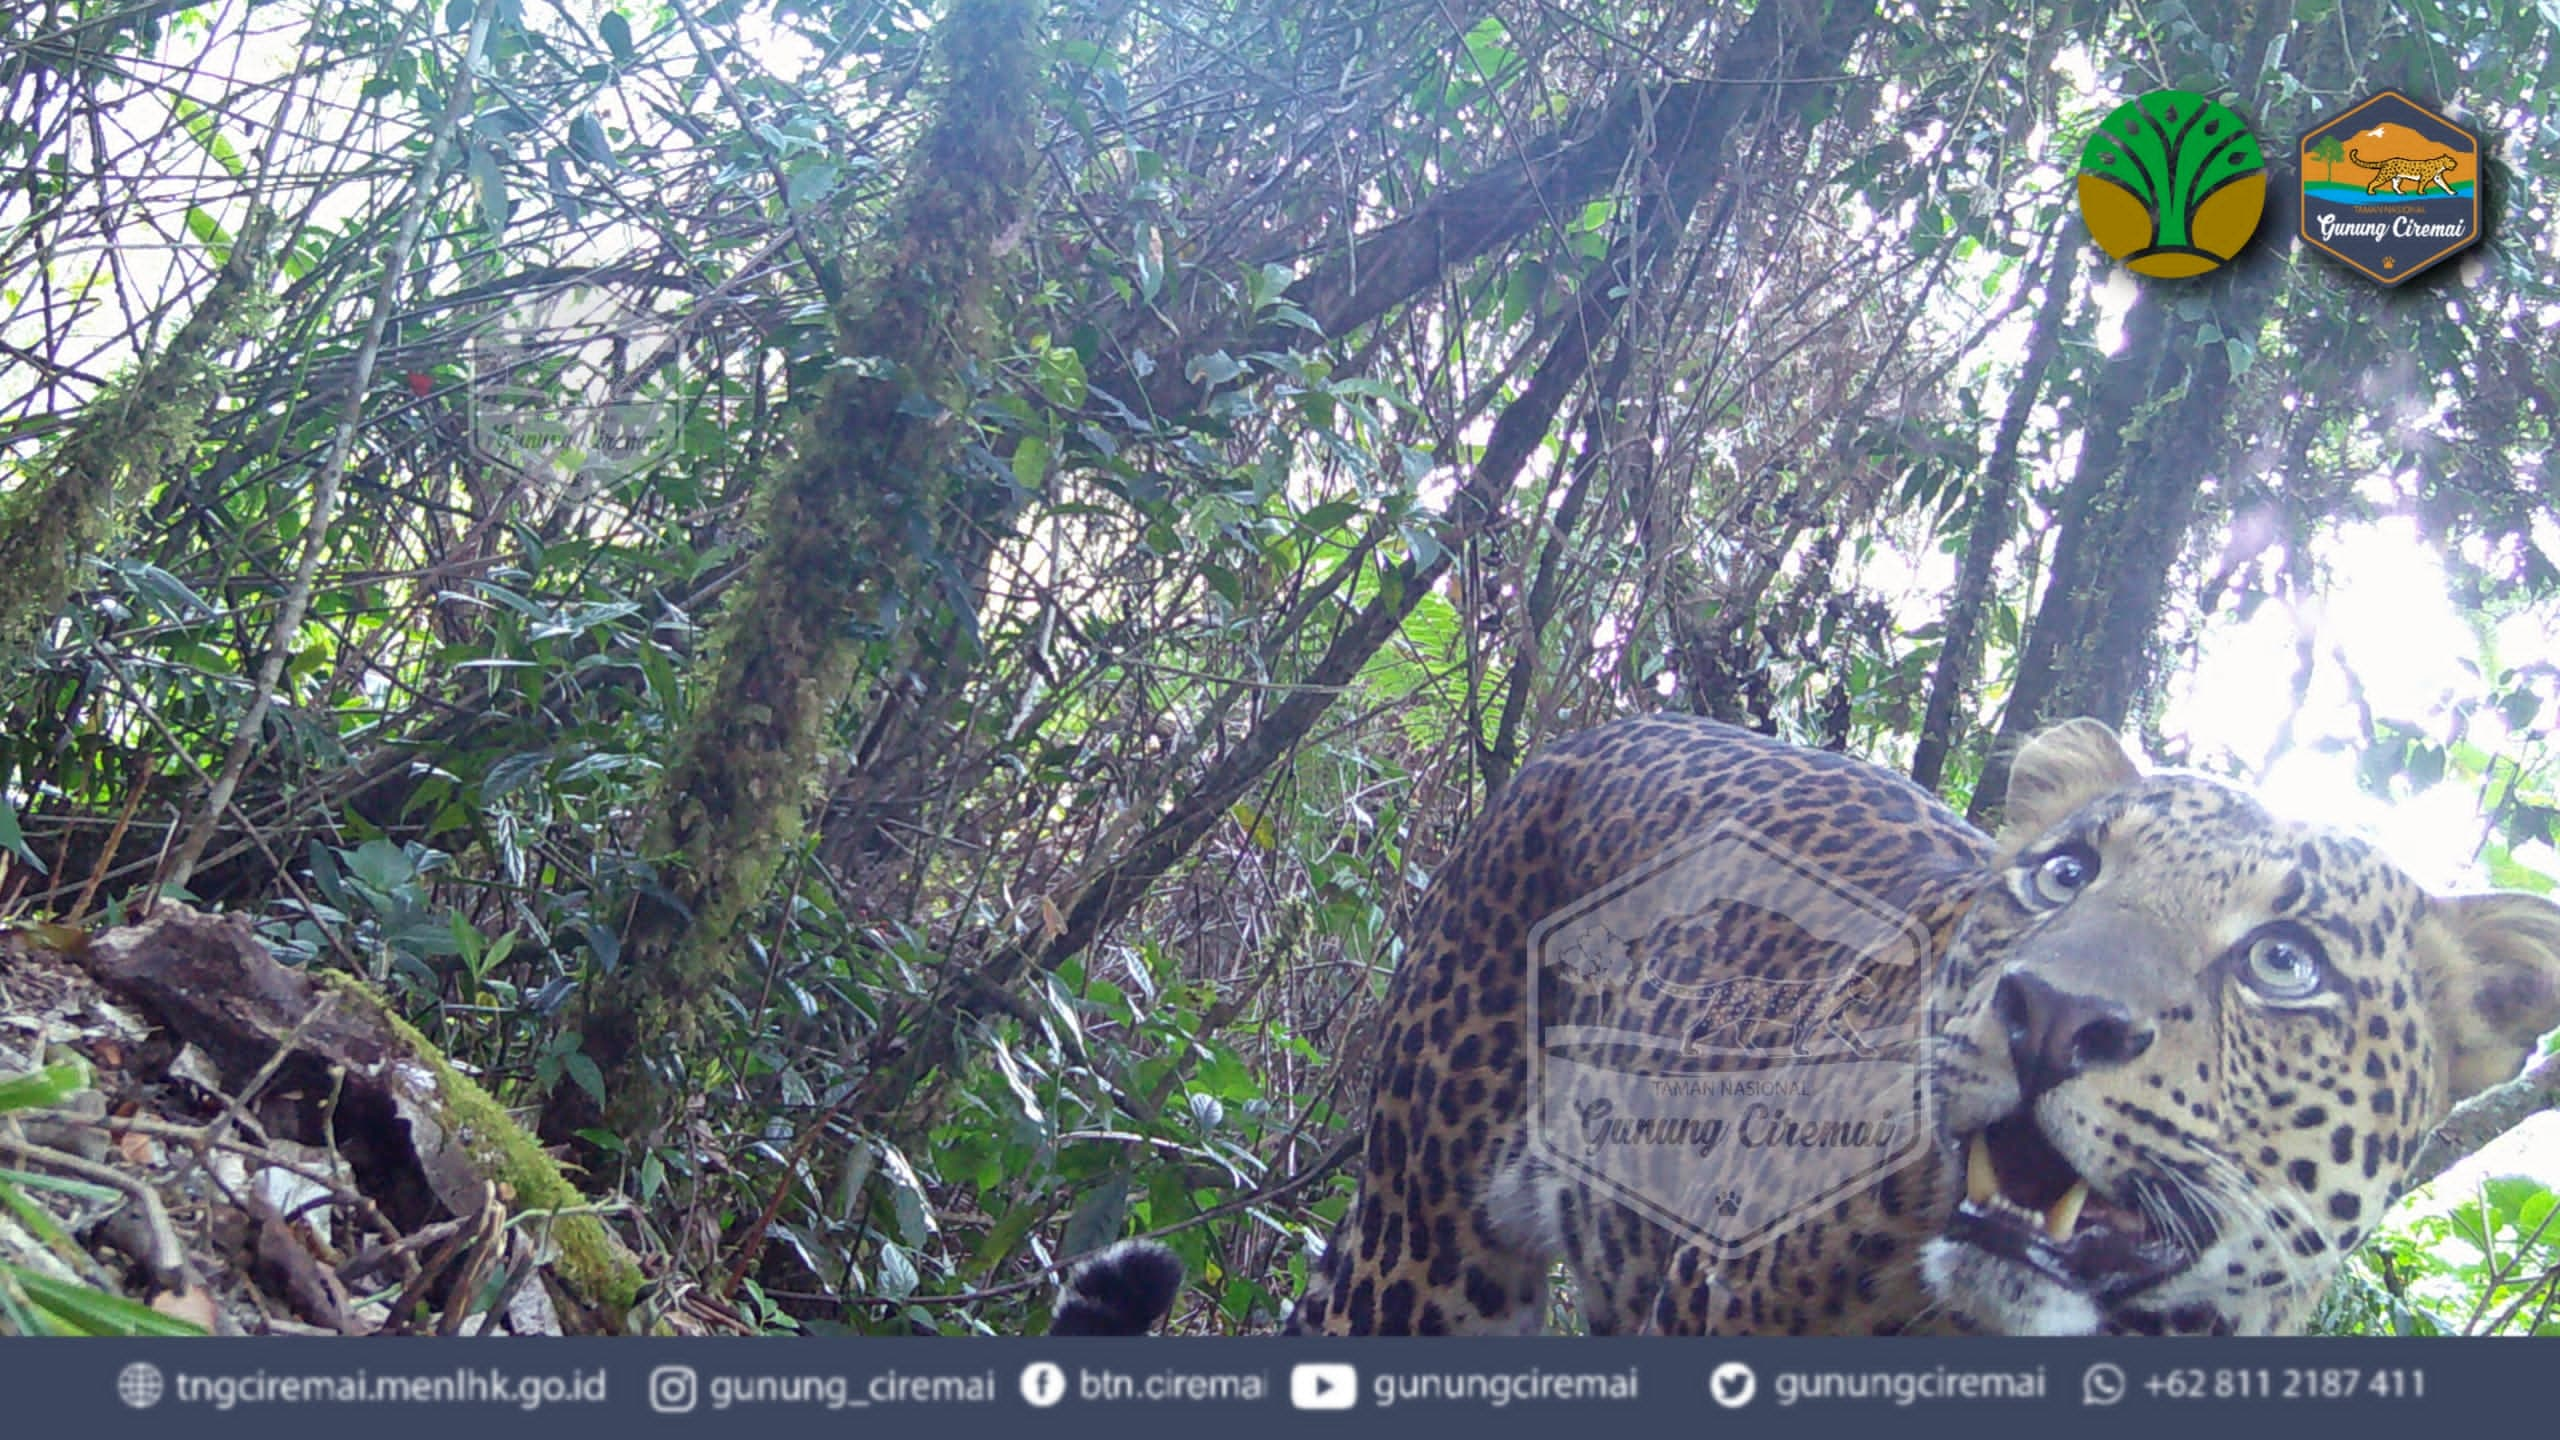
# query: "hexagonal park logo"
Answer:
x=2390 y=187
x=1727 y=1040
x=570 y=386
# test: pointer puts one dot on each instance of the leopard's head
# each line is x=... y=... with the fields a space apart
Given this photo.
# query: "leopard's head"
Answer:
x=2185 y=1050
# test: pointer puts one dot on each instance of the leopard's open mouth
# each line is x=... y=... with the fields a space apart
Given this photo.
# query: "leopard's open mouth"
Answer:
x=2024 y=1203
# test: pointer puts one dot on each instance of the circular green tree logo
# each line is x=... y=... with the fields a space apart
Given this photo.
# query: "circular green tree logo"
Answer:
x=2172 y=184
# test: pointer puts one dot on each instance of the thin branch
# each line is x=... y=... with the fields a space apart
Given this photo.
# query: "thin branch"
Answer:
x=2483 y=1118
x=333 y=466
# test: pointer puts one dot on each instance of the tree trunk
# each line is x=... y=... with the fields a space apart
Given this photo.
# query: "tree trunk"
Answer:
x=859 y=538
x=1994 y=516
x=2151 y=442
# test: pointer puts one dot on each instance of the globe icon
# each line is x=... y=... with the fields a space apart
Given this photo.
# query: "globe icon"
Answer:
x=138 y=1385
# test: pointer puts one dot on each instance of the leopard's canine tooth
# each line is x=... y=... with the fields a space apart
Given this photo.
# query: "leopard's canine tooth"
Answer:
x=2064 y=1217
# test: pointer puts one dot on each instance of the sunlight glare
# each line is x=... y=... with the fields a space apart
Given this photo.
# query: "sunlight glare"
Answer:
x=2384 y=629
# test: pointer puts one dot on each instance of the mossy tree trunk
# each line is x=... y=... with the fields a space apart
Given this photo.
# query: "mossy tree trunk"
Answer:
x=137 y=430
x=858 y=539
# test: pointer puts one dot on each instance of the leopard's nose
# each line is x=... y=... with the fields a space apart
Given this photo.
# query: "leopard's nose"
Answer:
x=2055 y=1034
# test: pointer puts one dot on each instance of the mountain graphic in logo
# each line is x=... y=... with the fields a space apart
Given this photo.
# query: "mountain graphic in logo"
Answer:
x=2390 y=187
x=2172 y=184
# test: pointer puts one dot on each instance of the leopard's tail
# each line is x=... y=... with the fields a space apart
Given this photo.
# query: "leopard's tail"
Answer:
x=1125 y=1290
x=2368 y=164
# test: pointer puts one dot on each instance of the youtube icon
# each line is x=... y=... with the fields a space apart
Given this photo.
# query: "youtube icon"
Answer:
x=1324 y=1387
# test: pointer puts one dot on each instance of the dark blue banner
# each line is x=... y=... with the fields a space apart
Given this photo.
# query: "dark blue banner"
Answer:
x=948 y=1390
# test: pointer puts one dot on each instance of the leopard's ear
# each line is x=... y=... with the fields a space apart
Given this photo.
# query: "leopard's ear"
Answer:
x=2489 y=976
x=2058 y=770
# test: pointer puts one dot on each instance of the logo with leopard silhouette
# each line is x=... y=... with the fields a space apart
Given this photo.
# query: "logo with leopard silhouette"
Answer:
x=1728 y=1039
x=2390 y=188
x=1746 y=1015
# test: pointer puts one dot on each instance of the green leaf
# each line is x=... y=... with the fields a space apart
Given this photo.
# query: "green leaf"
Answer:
x=617 y=36
x=489 y=185
x=1014 y=1080
x=174 y=596
x=1098 y=1221
x=512 y=773
x=2507 y=873
x=582 y=1072
x=208 y=231
x=810 y=181
x=915 y=1212
x=1424 y=545
x=38 y=1220
x=14 y=840
x=381 y=865
x=897 y=1273
x=589 y=142
x=45 y=1088
x=83 y=1311
x=1215 y=368
x=17 y=1317
x=2508 y=1196
x=1493 y=60
x=1373 y=389
x=1321 y=518
x=1061 y=377
x=1265 y=287
x=1031 y=463
x=1150 y=266
x=202 y=129
x=2519 y=707
x=1001 y=1239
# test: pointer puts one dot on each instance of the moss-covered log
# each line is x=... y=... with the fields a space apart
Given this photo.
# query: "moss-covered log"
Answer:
x=424 y=1141
x=856 y=527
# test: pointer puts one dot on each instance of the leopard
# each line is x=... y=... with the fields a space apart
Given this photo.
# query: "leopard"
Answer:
x=2146 y=1059
x=2393 y=170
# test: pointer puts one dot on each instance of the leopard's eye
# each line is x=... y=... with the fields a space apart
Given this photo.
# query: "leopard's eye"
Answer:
x=2284 y=965
x=2061 y=875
